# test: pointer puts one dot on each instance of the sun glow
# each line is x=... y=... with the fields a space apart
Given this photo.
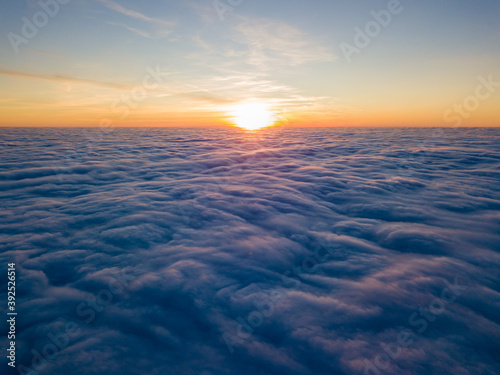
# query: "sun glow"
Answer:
x=252 y=116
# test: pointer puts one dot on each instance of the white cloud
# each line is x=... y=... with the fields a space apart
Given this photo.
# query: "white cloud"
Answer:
x=272 y=44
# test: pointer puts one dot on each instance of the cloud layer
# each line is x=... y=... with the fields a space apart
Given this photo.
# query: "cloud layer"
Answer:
x=223 y=252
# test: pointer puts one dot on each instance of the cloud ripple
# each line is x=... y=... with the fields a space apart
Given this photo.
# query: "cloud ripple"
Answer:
x=181 y=234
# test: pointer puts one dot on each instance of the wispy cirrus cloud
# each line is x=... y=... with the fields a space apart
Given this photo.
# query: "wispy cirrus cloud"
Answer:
x=220 y=91
x=245 y=56
x=183 y=93
x=132 y=13
x=48 y=53
x=164 y=27
x=64 y=79
x=143 y=33
x=271 y=43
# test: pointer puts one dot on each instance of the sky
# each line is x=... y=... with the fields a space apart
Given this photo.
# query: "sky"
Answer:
x=194 y=63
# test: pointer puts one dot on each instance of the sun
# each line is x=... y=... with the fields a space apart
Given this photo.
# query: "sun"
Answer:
x=252 y=116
